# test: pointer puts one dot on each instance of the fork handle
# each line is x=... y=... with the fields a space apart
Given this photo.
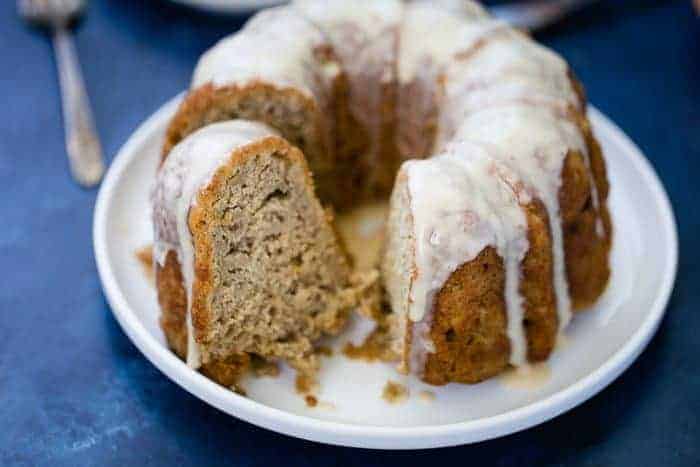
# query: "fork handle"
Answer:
x=82 y=143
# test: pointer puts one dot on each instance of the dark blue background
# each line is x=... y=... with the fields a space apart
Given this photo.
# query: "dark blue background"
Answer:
x=75 y=391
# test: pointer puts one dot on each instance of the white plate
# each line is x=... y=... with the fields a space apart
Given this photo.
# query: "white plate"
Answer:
x=599 y=345
x=229 y=6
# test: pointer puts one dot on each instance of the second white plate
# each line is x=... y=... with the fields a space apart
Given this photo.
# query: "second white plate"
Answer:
x=599 y=345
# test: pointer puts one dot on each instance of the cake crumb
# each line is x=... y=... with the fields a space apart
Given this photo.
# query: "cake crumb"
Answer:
x=145 y=257
x=376 y=347
x=305 y=384
x=324 y=351
x=262 y=367
x=394 y=393
x=311 y=401
x=426 y=396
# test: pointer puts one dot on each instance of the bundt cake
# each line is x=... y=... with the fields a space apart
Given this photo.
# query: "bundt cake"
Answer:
x=247 y=263
x=498 y=227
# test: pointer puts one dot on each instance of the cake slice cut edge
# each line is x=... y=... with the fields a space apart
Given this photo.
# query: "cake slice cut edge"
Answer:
x=269 y=276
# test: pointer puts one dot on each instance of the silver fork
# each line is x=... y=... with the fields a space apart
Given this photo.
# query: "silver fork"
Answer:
x=536 y=14
x=82 y=143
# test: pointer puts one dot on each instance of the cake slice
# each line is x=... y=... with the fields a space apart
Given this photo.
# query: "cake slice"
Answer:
x=247 y=264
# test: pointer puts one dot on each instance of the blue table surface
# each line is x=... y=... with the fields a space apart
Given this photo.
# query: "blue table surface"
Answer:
x=75 y=391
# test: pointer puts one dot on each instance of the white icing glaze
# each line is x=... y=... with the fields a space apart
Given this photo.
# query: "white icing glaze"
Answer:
x=432 y=36
x=367 y=20
x=513 y=56
x=463 y=201
x=264 y=50
x=363 y=35
x=188 y=168
x=534 y=141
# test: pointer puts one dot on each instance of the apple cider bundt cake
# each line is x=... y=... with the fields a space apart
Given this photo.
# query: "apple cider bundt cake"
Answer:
x=498 y=228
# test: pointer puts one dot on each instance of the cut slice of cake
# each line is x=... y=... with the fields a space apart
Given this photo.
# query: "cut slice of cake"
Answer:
x=247 y=263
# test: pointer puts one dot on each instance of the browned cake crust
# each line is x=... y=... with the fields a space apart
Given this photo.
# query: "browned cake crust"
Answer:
x=469 y=314
x=300 y=119
x=587 y=252
x=350 y=163
x=172 y=298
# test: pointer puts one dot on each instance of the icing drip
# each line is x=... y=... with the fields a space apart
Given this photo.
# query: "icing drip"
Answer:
x=533 y=141
x=462 y=202
x=188 y=168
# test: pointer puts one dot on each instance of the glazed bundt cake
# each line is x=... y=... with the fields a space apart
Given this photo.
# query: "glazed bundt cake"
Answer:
x=247 y=263
x=498 y=226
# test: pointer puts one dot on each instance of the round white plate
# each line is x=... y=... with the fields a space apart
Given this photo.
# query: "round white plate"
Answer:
x=229 y=6
x=598 y=346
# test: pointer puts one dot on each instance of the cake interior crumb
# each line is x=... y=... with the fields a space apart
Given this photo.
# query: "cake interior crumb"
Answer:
x=145 y=257
x=394 y=393
x=324 y=351
x=262 y=367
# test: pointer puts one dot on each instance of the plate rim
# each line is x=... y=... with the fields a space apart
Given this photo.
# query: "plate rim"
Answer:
x=373 y=436
x=245 y=6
